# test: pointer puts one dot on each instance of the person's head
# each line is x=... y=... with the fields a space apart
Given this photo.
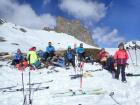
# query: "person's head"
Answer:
x=34 y=48
x=121 y=46
x=18 y=51
x=103 y=50
x=49 y=43
x=81 y=44
x=69 y=47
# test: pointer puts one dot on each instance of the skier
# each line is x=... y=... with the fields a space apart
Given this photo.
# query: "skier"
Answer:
x=50 y=52
x=102 y=57
x=81 y=52
x=69 y=57
x=17 y=58
x=33 y=58
x=121 y=58
x=41 y=54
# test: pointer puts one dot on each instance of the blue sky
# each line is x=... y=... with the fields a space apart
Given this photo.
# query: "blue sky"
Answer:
x=110 y=21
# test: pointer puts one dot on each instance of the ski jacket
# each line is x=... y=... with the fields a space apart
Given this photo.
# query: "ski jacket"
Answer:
x=103 y=55
x=80 y=50
x=121 y=57
x=18 y=56
x=70 y=54
x=41 y=54
x=50 y=49
x=32 y=57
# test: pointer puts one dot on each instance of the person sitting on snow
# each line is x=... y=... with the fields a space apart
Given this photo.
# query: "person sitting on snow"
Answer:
x=81 y=52
x=121 y=57
x=102 y=57
x=50 y=52
x=69 y=57
x=33 y=59
x=41 y=54
x=17 y=58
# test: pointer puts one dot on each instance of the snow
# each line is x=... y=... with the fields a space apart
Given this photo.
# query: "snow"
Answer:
x=39 y=38
x=125 y=93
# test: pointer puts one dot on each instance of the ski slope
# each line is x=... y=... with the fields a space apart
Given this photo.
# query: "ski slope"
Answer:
x=124 y=93
x=15 y=38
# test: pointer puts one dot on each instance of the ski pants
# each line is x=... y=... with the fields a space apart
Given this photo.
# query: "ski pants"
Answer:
x=121 y=68
x=68 y=61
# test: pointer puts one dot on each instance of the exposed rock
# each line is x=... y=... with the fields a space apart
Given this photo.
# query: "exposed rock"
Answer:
x=23 y=30
x=2 y=21
x=2 y=39
x=74 y=28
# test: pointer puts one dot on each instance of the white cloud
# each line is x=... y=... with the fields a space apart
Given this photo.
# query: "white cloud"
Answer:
x=83 y=9
x=107 y=37
x=46 y=1
x=24 y=15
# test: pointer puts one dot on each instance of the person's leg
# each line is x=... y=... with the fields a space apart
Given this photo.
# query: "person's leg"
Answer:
x=73 y=63
x=46 y=55
x=37 y=64
x=123 y=72
x=118 y=72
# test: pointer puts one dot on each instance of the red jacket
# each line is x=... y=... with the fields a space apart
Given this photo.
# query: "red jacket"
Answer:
x=102 y=55
x=121 y=57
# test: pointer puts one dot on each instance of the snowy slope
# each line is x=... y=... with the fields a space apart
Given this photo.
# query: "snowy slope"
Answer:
x=132 y=43
x=38 y=38
x=125 y=93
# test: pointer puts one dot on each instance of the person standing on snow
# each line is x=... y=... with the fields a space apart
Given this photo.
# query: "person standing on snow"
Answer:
x=81 y=52
x=121 y=57
x=69 y=57
x=33 y=58
x=50 y=52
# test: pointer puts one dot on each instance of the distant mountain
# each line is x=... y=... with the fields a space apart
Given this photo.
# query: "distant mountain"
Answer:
x=2 y=21
x=133 y=44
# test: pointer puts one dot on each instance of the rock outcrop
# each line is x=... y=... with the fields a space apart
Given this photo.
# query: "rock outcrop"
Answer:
x=74 y=28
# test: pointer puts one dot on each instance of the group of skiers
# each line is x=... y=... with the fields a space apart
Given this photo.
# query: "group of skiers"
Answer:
x=115 y=64
x=36 y=58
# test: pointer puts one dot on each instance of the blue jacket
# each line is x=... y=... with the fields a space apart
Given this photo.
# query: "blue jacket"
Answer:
x=50 y=49
x=80 y=50
x=18 y=56
x=41 y=54
x=69 y=55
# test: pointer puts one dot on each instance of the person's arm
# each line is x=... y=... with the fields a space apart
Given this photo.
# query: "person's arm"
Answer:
x=53 y=49
x=47 y=49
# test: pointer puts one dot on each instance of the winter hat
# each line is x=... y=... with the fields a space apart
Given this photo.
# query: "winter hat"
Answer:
x=18 y=51
x=69 y=46
x=121 y=44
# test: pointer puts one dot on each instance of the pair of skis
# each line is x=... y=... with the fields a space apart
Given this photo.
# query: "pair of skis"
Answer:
x=72 y=92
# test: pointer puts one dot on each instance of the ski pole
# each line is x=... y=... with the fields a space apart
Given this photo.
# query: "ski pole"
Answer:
x=30 y=102
x=136 y=54
x=23 y=83
x=111 y=95
x=131 y=59
x=81 y=70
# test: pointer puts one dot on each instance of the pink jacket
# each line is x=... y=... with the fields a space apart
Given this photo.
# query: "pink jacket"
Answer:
x=121 y=57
